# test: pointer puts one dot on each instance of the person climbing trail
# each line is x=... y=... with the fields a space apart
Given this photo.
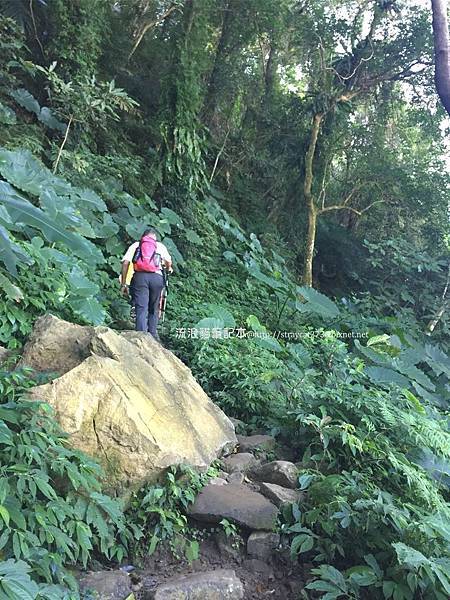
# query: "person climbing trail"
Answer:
x=147 y=258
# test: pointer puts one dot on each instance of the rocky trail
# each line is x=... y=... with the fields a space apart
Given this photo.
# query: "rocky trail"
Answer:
x=136 y=408
x=249 y=492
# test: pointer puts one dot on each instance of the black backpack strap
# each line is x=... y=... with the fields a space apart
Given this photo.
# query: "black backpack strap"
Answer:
x=137 y=252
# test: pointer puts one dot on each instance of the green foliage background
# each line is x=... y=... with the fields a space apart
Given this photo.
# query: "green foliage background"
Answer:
x=200 y=127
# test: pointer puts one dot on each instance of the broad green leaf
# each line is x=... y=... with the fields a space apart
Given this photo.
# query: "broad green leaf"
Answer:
x=14 y=509
x=20 y=209
x=383 y=375
x=60 y=209
x=46 y=117
x=378 y=358
x=7 y=254
x=414 y=401
x=437 y=359
x=88 y=200
x=173 y=251
x=305 y=481
x=379 y=339
x=414 y=373
x=82 y=287
x=109 y=505
x=12 y=291
x=210 y=323
x=25 y=99
x=362 y=576
x=15 y=581
x=44 y=487
x=222 y=314
x=6 y=438
x=269 y=343
x=229 y=256
x=255 y=272
x=171 y=216
x=409 y=556
x=4 y=514
x=301 y=354
x=317 y=303
x=89 y=308
x=324 y=586
x=193 y=237
x=21 y=169
x=254 y=324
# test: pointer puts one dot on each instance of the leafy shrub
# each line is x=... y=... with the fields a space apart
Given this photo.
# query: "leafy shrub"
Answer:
x=53 y=513
x=369 y=488
x=158 y=510
x=237 y=374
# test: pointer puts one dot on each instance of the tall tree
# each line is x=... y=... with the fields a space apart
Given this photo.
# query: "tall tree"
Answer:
x=441 y=51
x=358 y=73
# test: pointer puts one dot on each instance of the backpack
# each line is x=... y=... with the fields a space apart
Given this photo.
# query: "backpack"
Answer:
x=145 y=258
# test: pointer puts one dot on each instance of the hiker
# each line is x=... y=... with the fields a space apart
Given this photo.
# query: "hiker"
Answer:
x=148 y=257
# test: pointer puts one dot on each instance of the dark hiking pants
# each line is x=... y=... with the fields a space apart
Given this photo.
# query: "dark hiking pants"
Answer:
x=147 y=288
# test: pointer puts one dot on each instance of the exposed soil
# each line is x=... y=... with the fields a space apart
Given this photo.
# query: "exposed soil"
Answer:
x=279 y=579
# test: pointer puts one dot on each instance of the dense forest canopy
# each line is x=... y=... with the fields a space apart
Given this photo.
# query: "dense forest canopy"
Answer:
x=293 y=156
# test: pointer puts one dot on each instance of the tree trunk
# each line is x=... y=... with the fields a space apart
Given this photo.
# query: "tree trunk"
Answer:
x=270 y=76
x=216 y=73
x=309 y=200
x=441 y=51
x=443 y=308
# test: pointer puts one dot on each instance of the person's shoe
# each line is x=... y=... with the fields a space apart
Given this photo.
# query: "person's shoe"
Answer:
x=156 y=337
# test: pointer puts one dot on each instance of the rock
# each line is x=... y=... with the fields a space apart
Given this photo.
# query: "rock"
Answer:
x=236 y=503
x=258 y=566
x=107 y=585
x=241 y=462
x=280 y=472
x=261 y=544
x=218 y=481
x=207 y=585
x=133 y=405
x=280 y=496
x=227 y=546
x=236 y=477
x=250 y=443
x=56 y=346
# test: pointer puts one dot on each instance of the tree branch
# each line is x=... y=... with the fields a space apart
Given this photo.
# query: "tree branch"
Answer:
x=151 y=25
x=61 y=148
x=345 y=207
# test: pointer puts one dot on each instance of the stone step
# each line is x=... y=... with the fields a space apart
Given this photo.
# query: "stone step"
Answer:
x=236 y=503
x=207 y=585
x=280 y=472
x=251 y=443
x=241 y=462
x=279 y=495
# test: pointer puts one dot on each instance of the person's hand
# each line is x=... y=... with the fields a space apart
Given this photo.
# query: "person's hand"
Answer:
x=124 y=290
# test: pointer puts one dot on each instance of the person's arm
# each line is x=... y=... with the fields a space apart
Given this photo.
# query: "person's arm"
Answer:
x=123 y=276
x=168 y=265
x=126 y=260
x=165 y=257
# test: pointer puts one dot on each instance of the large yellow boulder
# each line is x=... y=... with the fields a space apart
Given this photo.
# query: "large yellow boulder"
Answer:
x=131 y=404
